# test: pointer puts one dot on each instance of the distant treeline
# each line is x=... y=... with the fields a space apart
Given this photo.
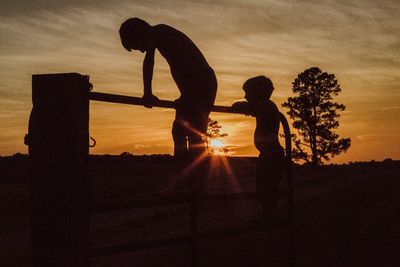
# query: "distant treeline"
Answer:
x=167 y=158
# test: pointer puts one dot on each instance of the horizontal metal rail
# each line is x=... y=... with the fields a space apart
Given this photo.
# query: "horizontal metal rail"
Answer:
x=138 y=101
x=158 y=202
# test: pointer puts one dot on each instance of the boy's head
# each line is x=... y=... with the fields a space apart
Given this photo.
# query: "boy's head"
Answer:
x=258 y=88
x=133 y=34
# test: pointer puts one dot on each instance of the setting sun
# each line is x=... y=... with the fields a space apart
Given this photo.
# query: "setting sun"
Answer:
x=216 y=144
x=217 y=147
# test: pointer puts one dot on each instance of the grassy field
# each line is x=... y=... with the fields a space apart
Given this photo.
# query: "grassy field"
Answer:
x=346 y=215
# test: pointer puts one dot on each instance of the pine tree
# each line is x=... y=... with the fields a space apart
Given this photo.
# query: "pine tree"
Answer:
x=315 y=116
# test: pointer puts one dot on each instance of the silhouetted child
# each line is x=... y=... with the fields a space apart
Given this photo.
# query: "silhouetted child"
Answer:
x=193 y=75
x=269 y=171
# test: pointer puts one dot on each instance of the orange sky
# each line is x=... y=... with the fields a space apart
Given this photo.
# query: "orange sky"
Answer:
x=358 y=41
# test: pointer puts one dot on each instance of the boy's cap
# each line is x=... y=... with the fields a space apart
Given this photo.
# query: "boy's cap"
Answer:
x=132 y=28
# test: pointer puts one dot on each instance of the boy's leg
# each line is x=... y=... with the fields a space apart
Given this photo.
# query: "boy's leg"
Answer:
x=197 y=148
x=269 y=176
x=181 y=153
x=198 y=92
x=203 y=87
x=179 y=136
x=198 y=125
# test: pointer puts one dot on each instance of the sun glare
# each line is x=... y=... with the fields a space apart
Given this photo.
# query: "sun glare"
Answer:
x=216 y=144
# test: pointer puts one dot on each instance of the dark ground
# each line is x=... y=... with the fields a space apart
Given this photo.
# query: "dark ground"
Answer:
x=346 y=215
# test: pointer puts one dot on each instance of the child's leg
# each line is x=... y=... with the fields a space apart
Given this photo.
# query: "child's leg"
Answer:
x=198 y=121
x=198 y=91
x=203 y=87
x=181 y=152
x=197 y=148
x=180 y=138
x=269 y=176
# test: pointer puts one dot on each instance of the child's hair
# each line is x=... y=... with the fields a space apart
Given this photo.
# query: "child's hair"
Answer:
x=260 y=86
x=132 y=28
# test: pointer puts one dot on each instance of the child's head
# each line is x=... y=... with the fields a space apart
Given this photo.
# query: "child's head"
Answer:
x=258 y=88
x=133 y=34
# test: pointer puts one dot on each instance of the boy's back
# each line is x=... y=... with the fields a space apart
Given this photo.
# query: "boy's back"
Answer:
x=195 y=78
x=181 y=53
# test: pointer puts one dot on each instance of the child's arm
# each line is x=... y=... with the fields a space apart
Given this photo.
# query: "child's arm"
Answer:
x=242 y=107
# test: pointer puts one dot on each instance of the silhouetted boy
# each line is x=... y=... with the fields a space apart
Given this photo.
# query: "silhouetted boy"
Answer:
x=194 y=77
x=269 y=172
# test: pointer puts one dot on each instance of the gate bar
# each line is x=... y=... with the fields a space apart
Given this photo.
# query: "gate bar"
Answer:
x=138 y=101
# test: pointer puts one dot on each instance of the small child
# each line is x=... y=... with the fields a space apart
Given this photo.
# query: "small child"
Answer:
x=269 y=172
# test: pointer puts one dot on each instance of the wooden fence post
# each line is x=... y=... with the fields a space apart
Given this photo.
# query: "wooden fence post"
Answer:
x=58 y=155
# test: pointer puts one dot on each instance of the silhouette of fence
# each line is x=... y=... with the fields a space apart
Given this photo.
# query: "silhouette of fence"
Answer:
x=58 y=142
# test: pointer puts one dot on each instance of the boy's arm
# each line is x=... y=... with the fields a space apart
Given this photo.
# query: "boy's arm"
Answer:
x=148 y=66
x=242 y=107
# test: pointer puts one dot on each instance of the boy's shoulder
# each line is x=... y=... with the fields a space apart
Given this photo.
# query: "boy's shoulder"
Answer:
x=270 y=104
x=266 y=107
x=267 y=104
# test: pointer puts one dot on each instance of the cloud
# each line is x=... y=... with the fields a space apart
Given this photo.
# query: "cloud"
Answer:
x=390 y=108
x=243 y=150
